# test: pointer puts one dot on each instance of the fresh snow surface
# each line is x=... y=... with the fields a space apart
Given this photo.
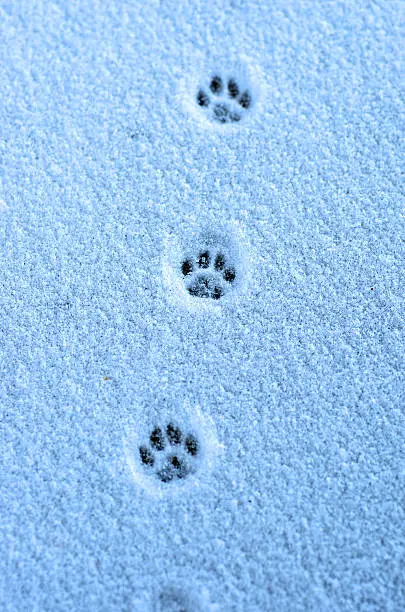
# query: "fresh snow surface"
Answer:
x=201 y=306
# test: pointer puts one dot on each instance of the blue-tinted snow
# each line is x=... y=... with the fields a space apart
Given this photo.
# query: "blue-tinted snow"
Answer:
x=109 y=171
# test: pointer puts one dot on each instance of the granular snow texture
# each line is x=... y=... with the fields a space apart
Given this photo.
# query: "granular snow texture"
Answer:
x=201 y=330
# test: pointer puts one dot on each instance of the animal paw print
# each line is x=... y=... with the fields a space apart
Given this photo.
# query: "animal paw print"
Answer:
x=225 y=101
x=170 y=454
x=209 y=275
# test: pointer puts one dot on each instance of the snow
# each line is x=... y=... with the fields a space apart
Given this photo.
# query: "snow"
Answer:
x=111 y=176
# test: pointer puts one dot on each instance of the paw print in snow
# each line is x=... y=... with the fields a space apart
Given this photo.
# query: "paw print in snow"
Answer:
x=224 y=100
x=170 y=453
x=209 y=275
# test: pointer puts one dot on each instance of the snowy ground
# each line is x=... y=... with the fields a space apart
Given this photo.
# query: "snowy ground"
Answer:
x=201 y=330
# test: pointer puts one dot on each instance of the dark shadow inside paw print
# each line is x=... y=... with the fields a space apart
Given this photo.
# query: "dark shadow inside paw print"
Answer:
x=245 y=100
x=147 y=457
x=191 y=444
x=233 y=88
x=216 y=85
x=205 y=287
x=202 y=98
x=204 y=259
x=157 y=439
x=223 y=114
x=171 y=454
x=174 y=468
x=229 y=275
x=219 y=262
x=174 y=434
x=229 y=100
x=187 y=267
x=209 y=276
